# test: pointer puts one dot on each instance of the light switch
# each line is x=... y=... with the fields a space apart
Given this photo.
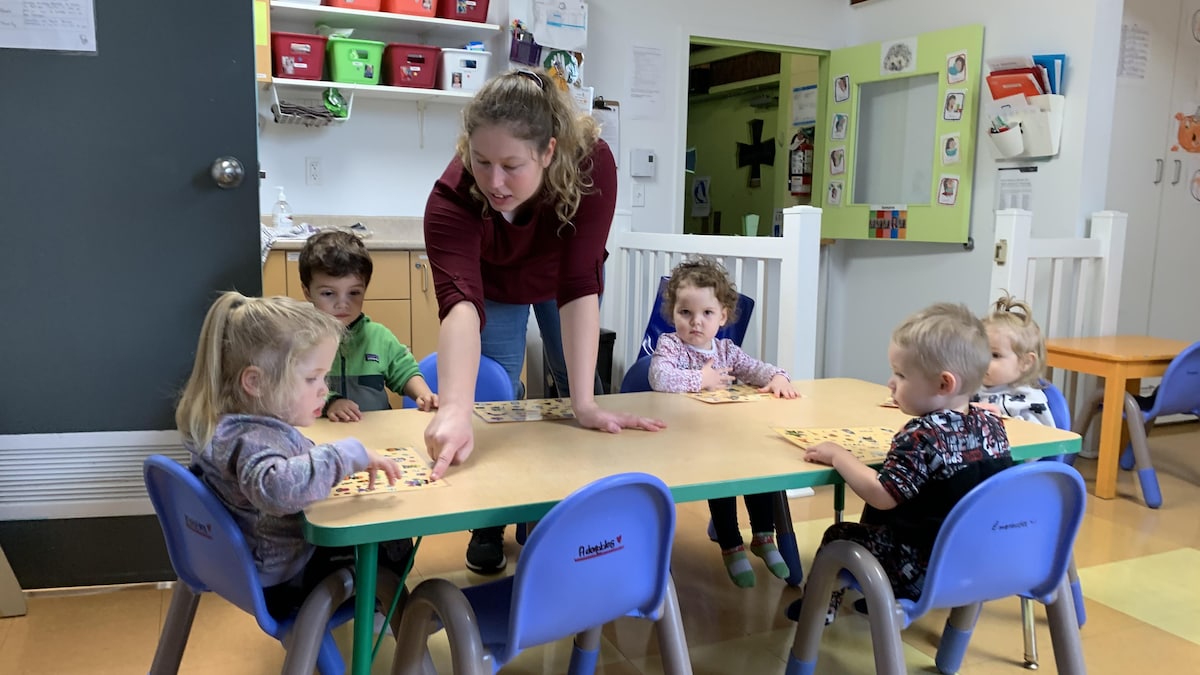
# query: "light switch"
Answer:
x=639 y=194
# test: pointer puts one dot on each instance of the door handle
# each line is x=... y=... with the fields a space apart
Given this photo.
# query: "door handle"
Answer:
x=227 y=172
x=1158 y=169
x=424 y=267
x=1178 y=169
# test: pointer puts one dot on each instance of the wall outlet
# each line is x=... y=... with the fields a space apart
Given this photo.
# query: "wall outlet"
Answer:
x=639 y=194
x=312 y=171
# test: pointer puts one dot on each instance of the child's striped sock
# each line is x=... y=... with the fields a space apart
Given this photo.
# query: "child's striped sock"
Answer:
x=763 y=546
x=738 y=566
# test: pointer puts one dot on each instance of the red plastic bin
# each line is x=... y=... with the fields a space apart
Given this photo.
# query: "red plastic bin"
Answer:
x=298 y=56
x=410 y=65
x=463 y=10
x=365 y=5
x=413 y=7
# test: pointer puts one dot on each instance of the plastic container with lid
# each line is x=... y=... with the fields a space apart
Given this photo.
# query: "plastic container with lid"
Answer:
x=463 y=70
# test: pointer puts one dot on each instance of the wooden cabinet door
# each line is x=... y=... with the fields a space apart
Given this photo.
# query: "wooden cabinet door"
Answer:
x=425 y=322
x=395 y=314
x=292 y=272
x=274 y=274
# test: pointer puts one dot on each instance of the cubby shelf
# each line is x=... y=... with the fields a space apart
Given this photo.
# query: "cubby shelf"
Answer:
x=356 y=18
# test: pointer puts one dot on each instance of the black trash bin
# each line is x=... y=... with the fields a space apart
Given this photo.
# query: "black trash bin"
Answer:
x=604 y=357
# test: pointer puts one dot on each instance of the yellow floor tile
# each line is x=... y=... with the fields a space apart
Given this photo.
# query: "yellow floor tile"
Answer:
x=1159 y=590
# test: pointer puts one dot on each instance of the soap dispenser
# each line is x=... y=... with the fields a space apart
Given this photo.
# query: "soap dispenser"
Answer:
x=281 y=214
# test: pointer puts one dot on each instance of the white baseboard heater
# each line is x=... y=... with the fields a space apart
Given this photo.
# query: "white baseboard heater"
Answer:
x=79 y=475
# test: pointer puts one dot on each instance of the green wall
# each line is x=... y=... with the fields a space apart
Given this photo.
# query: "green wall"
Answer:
x=718 y=122
x=715 y=126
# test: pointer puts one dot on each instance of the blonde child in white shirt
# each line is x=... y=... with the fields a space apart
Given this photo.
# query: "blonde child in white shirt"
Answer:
x=1012 y=385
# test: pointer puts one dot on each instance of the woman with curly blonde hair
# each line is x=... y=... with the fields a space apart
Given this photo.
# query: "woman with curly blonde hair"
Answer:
x=519 y=219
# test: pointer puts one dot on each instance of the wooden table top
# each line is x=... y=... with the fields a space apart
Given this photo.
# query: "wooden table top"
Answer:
x=519 y=470
x=1118 y=347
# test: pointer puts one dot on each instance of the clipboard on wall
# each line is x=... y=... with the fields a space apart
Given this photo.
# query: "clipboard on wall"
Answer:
x=607 y=113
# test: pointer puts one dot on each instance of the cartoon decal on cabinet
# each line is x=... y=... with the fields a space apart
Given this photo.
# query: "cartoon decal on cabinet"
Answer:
x=1189 y=132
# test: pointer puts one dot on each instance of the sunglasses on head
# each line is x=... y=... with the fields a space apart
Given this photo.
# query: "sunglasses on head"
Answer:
x=532 y=77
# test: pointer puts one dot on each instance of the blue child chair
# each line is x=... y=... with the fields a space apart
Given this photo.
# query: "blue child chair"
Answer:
x=659 y=324
x=210 y=554
x=602 y=553
x=1034 y=508
x=492 y=383
x=1177 y=394
x=1061 y=412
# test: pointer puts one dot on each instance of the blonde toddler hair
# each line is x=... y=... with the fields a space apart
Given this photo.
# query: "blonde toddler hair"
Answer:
x=273 y=334
x=1015 y=318
x=946 y=337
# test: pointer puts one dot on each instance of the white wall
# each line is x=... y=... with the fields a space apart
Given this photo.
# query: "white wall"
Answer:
x=863 y=305
x=373 y=165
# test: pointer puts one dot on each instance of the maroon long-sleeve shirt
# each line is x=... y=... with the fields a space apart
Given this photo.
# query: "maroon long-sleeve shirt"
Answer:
x=475 y=253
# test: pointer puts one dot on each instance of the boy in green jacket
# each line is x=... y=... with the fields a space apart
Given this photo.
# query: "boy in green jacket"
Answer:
x=335 y=270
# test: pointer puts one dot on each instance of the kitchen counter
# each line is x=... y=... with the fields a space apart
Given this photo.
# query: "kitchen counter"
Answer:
x=400 y=233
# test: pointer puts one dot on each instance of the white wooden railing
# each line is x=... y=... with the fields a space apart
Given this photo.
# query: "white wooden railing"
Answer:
x=1072 y=284
x=780 y=273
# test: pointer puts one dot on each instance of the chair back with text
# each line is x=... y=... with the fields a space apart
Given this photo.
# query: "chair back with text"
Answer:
x=658 y=324
x=602 y=553
x=492 y=383
x=1179 y=391
x=204 y=543
x=1034 y=509
x=210 y=554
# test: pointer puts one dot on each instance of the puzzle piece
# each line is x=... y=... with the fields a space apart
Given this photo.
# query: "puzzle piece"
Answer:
x=735 y=393
x=414 y=475
x=868 y=444
x=531 y=410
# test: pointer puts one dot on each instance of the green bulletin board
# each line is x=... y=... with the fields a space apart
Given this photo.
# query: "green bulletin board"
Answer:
x=954 y=56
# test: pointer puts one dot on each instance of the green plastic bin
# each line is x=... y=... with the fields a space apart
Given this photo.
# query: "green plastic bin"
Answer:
x=354 y=61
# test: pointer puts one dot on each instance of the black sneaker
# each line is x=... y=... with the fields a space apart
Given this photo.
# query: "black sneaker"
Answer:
x=485 y=553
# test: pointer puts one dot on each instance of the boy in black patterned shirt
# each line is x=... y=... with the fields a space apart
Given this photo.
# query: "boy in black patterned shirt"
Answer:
x=938 y=358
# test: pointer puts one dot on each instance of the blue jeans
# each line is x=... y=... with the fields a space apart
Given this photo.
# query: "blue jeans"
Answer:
x=503 y=339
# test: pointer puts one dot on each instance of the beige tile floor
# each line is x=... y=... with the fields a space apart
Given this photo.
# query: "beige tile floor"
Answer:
x=1137 y=566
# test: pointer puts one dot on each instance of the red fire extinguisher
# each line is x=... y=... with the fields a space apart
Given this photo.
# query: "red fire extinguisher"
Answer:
x=800 y=171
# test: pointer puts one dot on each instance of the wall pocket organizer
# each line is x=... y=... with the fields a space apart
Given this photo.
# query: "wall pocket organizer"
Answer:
x=1037 y=132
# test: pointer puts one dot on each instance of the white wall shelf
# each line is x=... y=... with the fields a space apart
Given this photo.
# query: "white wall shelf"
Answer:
x=375 y=91
x=356 y=18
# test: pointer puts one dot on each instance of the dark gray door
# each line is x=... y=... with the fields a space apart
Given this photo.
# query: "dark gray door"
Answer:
x=115 y=238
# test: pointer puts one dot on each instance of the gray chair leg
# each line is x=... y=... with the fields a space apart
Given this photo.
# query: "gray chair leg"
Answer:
x=174 y=637
x=441 y=599
x=671 y=640
x=884 y=616
x=1027 y=628
x=1064 y=631
x=1083 y=423
x=303 y=642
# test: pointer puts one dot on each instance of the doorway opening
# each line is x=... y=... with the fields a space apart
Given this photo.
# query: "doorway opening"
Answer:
x=754 y=114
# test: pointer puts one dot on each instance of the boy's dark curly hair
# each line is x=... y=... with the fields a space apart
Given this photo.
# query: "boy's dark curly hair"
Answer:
x=336 y=253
